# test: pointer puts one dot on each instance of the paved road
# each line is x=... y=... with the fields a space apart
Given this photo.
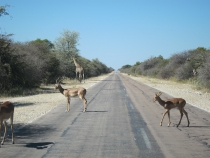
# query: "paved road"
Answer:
x=121 y=121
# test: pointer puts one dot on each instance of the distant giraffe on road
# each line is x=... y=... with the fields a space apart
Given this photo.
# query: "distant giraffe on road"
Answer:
x=79 y=71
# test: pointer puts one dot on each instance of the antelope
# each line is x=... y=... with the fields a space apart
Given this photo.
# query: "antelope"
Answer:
x=169 y=104
x=6 y=112
x=72 y=92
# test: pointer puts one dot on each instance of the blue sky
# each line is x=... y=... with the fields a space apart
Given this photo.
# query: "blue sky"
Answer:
x=117 y=32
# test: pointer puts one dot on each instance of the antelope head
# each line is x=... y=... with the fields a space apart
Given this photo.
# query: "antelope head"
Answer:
x=4 y=105
x=72 y=58
x=57 y=84
x=156 y=96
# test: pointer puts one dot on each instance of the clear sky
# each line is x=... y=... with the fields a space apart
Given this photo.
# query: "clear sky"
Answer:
x=117 y=32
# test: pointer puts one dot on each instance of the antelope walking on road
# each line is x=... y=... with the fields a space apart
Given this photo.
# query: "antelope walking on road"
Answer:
x=169 y=104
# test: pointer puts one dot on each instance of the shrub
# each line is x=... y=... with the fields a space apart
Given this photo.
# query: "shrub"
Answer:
x=184 y=72
x=166 y=72
x=178 y=59
x=204 y=73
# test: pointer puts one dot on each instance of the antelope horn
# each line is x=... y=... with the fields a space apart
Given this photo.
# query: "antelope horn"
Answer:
x=159 y=93
x=57 y=80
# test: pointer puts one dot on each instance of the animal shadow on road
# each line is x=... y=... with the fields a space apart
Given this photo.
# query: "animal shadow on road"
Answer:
x=29 y=135
x=39 y=145
x=199 y=126
x=96 y=111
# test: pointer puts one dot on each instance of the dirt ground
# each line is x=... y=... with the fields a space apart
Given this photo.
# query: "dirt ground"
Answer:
x=29 y=108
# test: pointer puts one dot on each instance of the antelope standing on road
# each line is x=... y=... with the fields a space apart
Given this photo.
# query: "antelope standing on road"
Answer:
x=6 y=112
x=72 y=92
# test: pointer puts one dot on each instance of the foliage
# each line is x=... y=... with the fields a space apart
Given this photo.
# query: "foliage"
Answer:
x=183 y=72
x=67 y=43
x=126 y=66
x=137 y=63
x=204 y=73
x=30 y=64
x=46 y=42
x=12 y=67
x=66 y=48
x=187 y=65
x=3 y=10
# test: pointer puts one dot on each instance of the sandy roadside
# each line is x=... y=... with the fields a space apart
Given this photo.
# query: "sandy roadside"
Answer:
x=178 y=90
x=29 y=108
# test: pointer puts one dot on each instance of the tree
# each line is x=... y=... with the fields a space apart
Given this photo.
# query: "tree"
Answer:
x=65 y=48
x=67 y=43
x=12 y=66
x=3 y=10
x=204 y=73
x=49 y=64
x=126 y=66
x=45 y=42
x=137 y=63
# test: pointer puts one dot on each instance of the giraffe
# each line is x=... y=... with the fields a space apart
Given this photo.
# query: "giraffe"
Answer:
x=79 y=70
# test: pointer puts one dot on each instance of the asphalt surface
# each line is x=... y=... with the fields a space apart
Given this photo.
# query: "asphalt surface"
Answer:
x=121 y=121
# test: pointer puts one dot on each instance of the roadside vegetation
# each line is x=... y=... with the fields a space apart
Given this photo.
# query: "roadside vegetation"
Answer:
x=192 y=66
x=28 y=65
